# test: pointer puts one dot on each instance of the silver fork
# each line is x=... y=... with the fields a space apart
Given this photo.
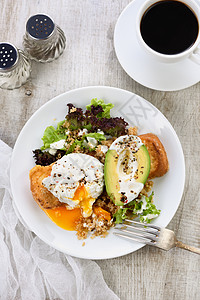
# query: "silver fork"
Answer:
x=151 y=235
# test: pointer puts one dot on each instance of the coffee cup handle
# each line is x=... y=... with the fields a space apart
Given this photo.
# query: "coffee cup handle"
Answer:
x=195 y=56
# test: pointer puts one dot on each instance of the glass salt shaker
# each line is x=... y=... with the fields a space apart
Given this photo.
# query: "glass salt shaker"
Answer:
x=15 y=67
x=44 y=41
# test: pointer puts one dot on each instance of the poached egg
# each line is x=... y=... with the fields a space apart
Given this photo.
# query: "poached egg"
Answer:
x=77 y=180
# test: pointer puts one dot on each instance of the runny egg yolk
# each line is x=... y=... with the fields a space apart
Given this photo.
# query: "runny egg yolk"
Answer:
x=68 y=218
x=64 y=217
x=85 y=201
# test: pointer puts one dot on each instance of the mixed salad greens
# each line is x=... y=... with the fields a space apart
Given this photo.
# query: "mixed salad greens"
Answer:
x=97 y=125
x=143 y=207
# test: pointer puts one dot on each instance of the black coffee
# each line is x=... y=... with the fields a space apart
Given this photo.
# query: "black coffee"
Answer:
x=169 y=27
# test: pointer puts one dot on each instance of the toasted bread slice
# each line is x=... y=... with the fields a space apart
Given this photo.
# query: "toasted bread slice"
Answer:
x=157 y=153
x=40 y=193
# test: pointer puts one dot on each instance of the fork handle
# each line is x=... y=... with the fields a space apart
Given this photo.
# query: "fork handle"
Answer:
x=187 y=247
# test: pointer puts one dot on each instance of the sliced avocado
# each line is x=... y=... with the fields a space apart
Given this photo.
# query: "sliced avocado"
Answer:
x=144 y=164
x=111 y=176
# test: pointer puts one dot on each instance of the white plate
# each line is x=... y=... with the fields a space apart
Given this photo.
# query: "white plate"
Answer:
x=137 y=111
x=139 y=65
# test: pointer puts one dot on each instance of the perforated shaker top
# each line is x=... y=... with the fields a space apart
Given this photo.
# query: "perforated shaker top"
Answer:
x=8 y=56
x=40 y=26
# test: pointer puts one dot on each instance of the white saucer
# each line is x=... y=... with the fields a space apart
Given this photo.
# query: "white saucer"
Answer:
x=140 y=66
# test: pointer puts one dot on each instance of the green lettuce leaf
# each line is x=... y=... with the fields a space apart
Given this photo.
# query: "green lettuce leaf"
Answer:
x=106 y=107
x=98 y=136
x=120 y=215
x=143 y=208
x=150 y=211
x=52 y=135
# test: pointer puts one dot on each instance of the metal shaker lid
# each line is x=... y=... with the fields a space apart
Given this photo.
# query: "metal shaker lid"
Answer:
x=8 y=56
x=40 y=26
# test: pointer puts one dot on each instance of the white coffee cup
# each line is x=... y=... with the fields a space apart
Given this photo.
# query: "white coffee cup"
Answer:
x=193 y=52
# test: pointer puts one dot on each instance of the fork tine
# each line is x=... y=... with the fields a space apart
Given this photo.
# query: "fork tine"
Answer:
x=139 y=232
x=136 y=239
x=142 y=235
x=143 y=224
x=142 y=229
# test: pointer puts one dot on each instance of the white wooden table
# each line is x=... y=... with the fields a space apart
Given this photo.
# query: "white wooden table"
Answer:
x=89 y=59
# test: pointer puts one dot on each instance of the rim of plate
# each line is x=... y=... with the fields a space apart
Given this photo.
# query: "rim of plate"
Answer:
x=35 y=228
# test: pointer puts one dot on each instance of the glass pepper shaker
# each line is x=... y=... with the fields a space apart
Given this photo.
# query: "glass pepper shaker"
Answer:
x=15 y=67
x=44 y=41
